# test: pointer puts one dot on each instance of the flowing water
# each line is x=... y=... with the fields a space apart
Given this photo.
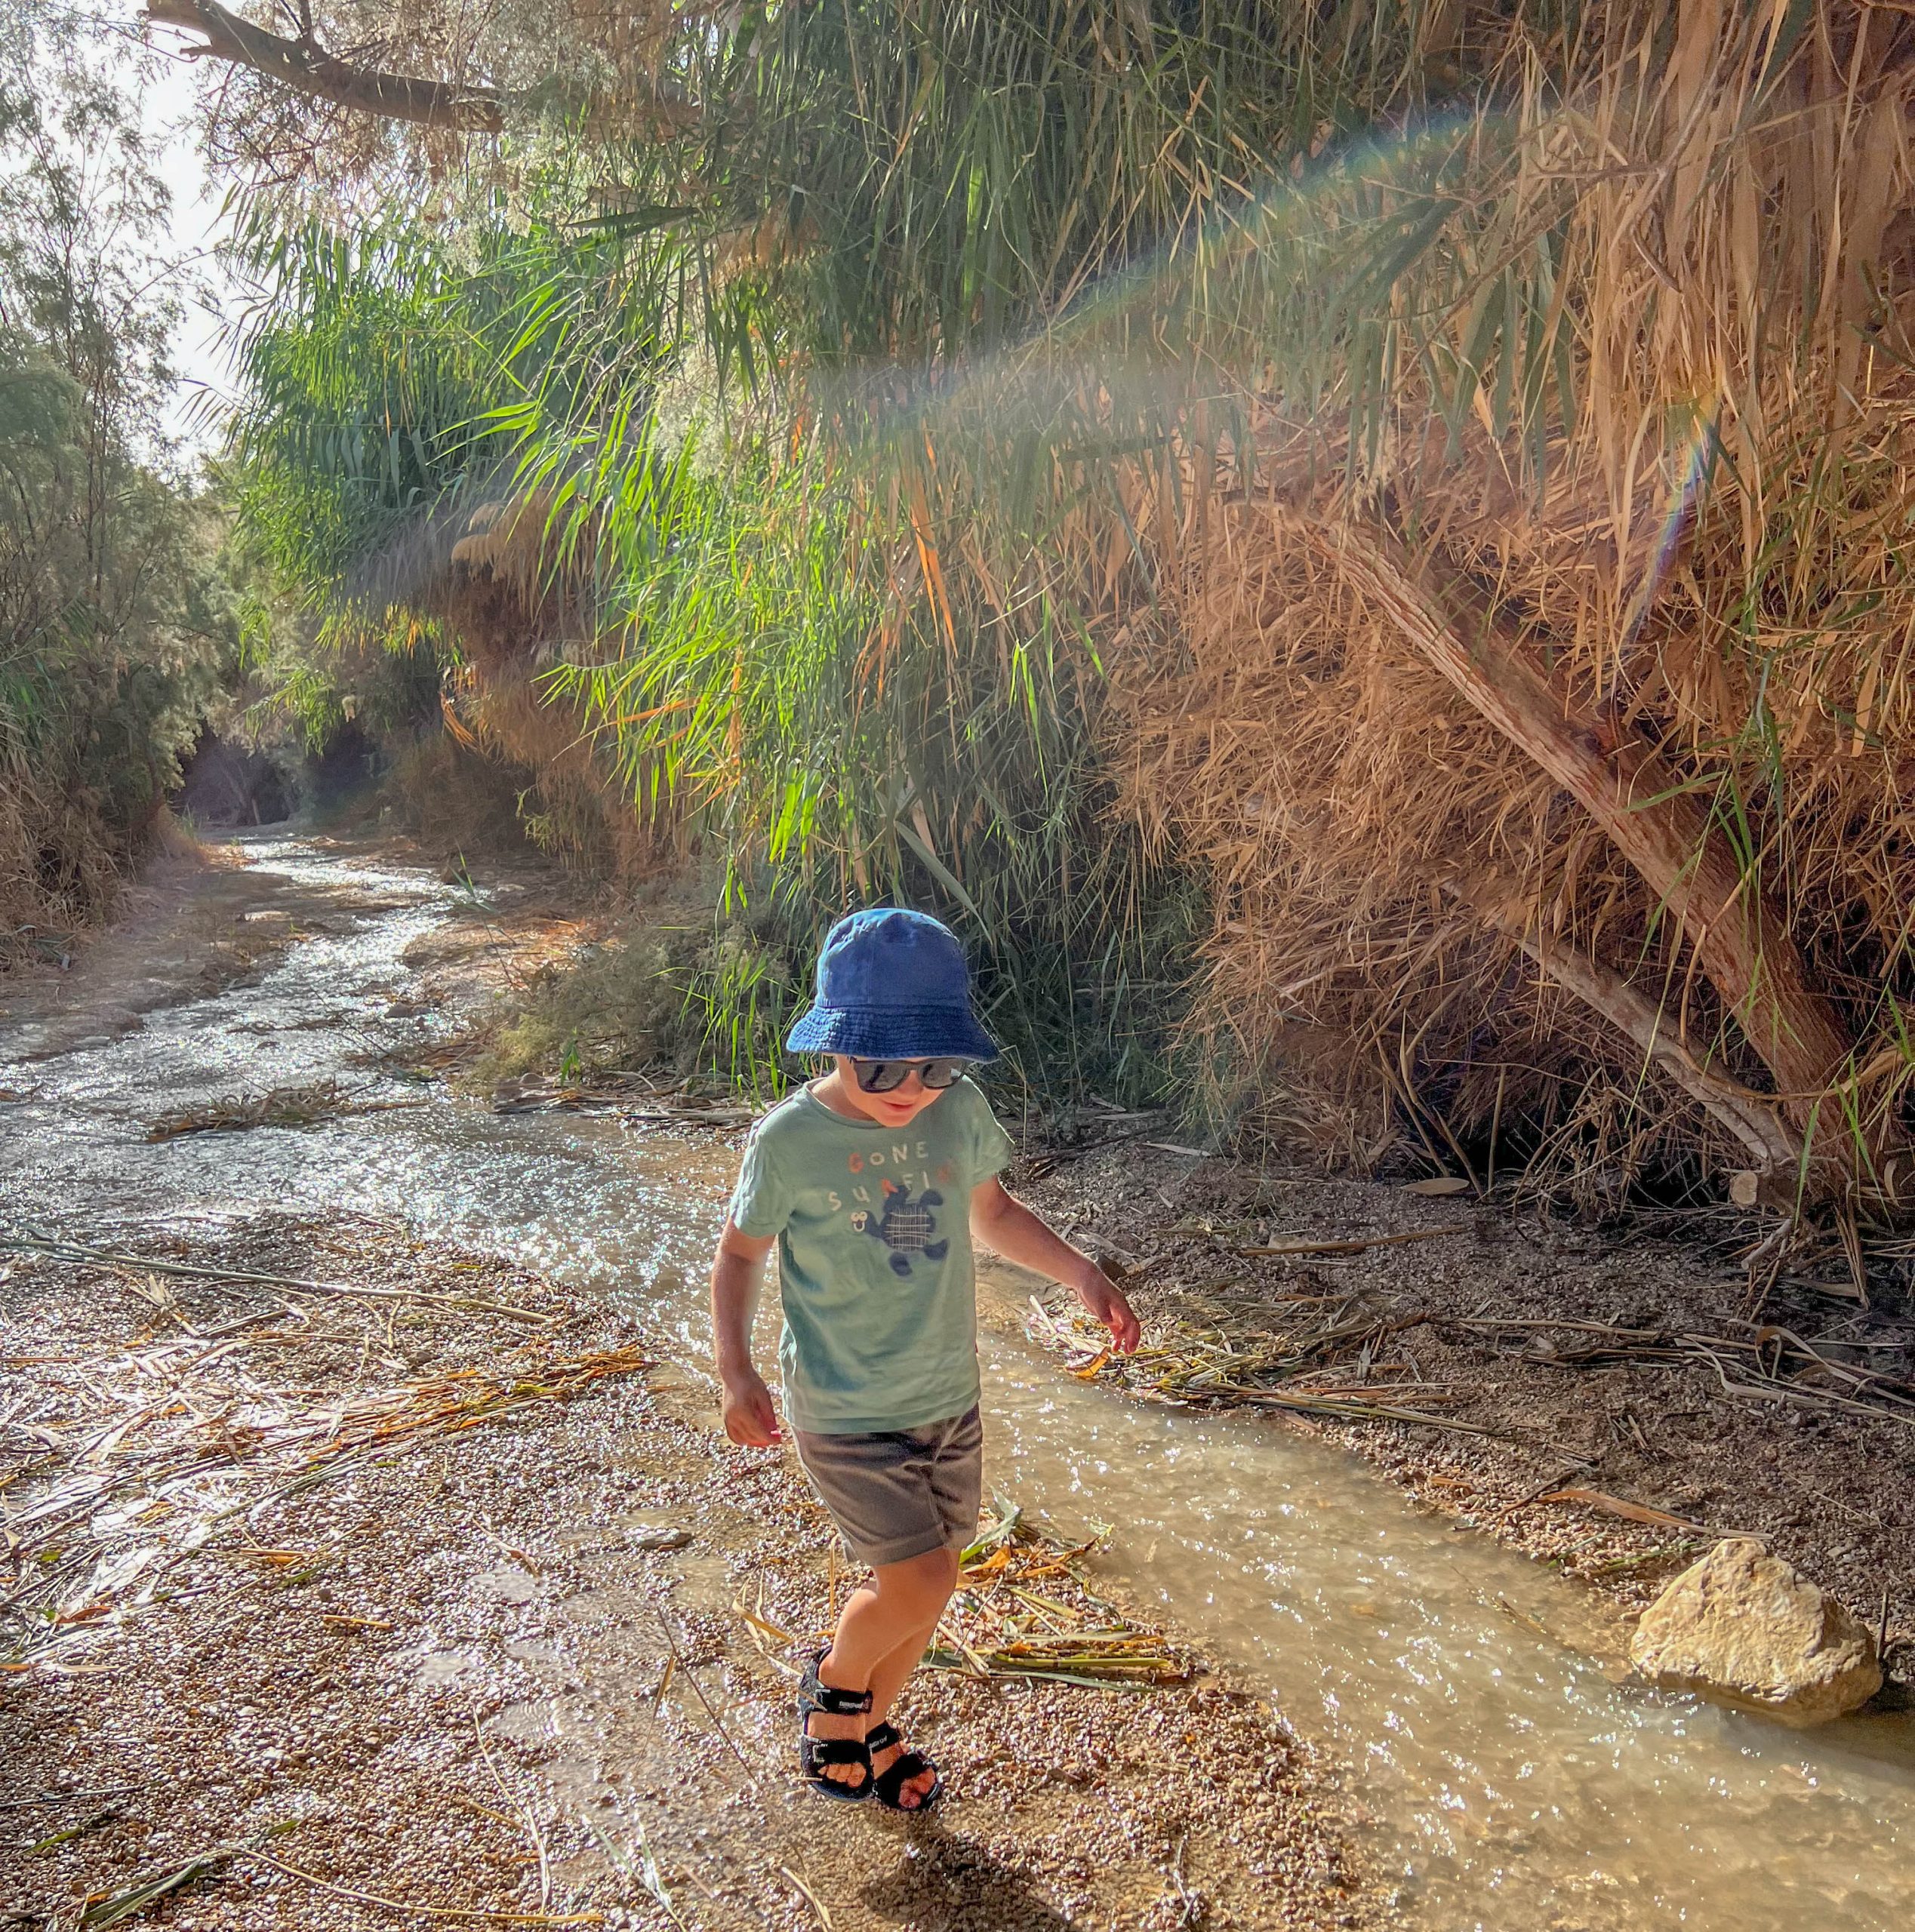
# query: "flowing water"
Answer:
x=1497 y=1772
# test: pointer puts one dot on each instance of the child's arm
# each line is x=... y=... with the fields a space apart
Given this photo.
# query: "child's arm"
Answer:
x=749 y=1417
x=1004 y=1225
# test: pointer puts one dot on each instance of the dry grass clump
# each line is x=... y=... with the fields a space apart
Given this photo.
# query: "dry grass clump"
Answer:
x=614 y=1009
x=58 y=871
x=679 y=1006
x=456 y=800
x=1557 y=766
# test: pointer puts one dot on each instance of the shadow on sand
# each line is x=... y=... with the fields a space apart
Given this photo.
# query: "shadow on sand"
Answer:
x=946 y=1884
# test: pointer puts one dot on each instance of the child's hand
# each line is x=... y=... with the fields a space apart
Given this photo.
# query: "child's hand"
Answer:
x=750 y=1418
x=1105 y=1300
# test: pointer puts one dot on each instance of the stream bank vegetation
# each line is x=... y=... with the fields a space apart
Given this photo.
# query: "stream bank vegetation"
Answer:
x=118 y=620
x=1363 y=570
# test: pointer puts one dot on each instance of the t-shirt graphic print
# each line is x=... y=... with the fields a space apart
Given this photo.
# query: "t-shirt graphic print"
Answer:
x=905 y=1227
x=874 y=1265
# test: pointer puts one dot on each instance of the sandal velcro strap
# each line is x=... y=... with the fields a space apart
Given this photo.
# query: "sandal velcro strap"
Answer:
x=837 y=1751
x=888 y=1787
x=815 y=1695
x=838 y=1703
x=816 y=1753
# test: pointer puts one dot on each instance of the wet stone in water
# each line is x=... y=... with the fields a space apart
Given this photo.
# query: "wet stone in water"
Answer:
x=1745 y=1628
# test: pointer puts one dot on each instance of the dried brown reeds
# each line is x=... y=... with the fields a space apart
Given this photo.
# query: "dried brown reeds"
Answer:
x=1553 y=766
x=513 y=762
x=281 y=1107
x=1024 y=1608
x=59 y=873
x=504 y=595
x=142 y=1453
x=1328 y=1361
x=1215 y=1367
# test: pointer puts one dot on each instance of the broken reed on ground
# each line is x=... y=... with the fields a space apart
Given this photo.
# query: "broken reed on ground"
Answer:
x=1023 y=1608
x=114 y=1908
x=1374 y=1377
x=143 y=1451
x=281 y=1106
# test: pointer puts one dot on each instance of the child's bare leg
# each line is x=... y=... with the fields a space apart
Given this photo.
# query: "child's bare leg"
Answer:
x=892 y=1673
x=894 y=1670
x=882 y=1633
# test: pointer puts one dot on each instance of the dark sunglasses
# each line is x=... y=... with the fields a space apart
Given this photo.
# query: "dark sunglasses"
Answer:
x=881 y=1076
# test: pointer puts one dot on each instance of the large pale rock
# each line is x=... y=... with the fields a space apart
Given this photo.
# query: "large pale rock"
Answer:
x=1742 y=1627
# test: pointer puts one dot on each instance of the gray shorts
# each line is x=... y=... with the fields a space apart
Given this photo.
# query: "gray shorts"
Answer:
x=897 y=1494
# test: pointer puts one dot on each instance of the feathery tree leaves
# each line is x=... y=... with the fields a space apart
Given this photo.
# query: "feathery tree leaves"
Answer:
x=113 y=616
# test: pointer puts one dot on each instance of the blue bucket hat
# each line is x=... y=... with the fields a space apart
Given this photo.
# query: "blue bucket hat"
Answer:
x=892 y=984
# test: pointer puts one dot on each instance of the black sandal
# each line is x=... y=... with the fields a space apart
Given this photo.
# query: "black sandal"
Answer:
x=815 y=1754
x=890 y=1784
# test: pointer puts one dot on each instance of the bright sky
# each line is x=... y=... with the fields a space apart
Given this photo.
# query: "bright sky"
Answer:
x=170 y=108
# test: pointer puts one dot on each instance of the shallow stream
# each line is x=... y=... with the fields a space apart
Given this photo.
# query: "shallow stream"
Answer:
x=1503 y=1778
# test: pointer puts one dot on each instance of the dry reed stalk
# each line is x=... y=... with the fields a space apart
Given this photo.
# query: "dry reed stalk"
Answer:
x=1627 y=693
x=1223 y=1367
x=1001 y=1623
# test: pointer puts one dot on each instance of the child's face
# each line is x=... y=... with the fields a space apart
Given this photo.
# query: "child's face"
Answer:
x=898 y=1108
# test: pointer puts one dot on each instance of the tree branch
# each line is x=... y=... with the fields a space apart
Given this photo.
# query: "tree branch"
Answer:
x=1742 y=939
x=302 y=66
x=1755 y=1119
x=307 y=68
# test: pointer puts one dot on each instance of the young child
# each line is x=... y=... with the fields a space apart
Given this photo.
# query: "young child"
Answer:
x=873 y=1181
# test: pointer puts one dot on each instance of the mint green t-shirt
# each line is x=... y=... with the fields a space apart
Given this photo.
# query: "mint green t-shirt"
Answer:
x=873 y=1224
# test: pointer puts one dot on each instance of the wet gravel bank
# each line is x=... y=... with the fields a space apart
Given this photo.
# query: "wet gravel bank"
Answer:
x=498 y=1659
x=1562 y=1408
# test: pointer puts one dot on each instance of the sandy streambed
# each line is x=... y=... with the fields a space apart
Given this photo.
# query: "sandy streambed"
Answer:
x=1507 y=1777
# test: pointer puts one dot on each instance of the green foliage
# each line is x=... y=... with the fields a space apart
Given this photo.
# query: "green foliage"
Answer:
x=939 y=271
x=116 y=620
x=365 y=389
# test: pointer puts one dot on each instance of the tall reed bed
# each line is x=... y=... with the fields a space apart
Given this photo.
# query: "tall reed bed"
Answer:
x=1434 y=473
x=1536 y=687
x=703 y=636
x=1491 y=515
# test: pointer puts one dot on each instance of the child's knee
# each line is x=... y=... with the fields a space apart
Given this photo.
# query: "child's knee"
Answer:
x=920 y=1586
